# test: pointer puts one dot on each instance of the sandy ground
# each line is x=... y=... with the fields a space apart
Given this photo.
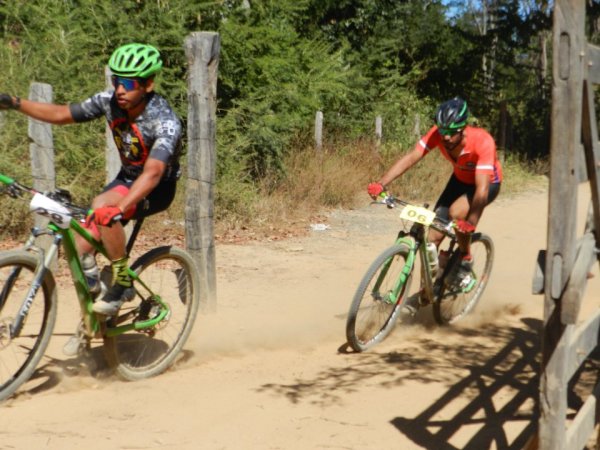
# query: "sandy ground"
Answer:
x=270 y=368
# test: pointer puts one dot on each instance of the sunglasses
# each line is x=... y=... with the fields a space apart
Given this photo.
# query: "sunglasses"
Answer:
x=448 y=132
x=129 y=84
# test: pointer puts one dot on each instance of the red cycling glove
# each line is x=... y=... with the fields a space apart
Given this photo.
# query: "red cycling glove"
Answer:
x=464 y=226
x=374 y=189
x=104 y=216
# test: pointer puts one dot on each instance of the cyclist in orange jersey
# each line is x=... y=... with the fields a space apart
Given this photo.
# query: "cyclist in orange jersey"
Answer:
x=474 y=183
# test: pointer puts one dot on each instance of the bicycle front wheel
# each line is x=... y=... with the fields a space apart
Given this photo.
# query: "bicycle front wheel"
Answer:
x=453 y=303
x=21 y=350
x=170 y=273
x=378 y=299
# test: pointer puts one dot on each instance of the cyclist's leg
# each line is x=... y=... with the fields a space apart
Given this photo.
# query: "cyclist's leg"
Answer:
x=460 y=210
x=454 y=189
x=114 y=240
x=115 y=244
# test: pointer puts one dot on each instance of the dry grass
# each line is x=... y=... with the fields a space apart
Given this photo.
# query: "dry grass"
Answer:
x=335 y=177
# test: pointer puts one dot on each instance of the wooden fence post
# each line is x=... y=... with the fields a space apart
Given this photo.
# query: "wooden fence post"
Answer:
x=567 y=90
x=378 y=131
x=113 y=162
x=41 y=148
x=417 y=127
x=319 y=130
x=502 y=143
x=41 y=152
x=202 y=50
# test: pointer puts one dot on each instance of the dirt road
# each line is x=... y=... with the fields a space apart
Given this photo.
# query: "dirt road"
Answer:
x=269 y=369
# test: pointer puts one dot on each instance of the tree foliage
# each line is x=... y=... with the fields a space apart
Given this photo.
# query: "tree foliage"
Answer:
x=282 y=61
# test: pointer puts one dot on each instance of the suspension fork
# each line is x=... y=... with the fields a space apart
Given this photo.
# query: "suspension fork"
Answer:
x=404 y=275
x=17 y=270
x=46 y=258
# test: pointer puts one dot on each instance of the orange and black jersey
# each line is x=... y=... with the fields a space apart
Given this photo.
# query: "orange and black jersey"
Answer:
x=477 y=156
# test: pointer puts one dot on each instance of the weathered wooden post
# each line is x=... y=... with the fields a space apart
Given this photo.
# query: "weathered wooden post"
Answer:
x=113 y=162
x=41 y=151
x=417 y=127
x=568 y=43
x=202 y=50
x=502 y=131
x=378 y=131
x=565 y=342
x=319 y=130
x=41 y=148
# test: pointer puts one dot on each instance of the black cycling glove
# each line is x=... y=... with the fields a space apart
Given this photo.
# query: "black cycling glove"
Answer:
x=6 y=102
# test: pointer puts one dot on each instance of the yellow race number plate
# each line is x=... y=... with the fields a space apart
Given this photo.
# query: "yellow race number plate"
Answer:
x=417 y=214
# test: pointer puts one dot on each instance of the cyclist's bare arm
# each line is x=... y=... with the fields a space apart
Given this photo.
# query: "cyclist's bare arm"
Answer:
x=401 y=166
x=482 y=187
x=146 y=182
x=47 y=112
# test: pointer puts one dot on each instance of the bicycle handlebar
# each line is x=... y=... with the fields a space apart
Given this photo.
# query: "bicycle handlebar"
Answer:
x=62 y=196
x=440 y=224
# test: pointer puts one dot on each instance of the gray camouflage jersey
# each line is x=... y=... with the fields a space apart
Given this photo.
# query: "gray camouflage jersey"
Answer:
x=156 y=133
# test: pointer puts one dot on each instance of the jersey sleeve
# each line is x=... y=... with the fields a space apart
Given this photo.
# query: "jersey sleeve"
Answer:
x=92 y=108
x=168 y=139
x=429 y=141
x=486 y=156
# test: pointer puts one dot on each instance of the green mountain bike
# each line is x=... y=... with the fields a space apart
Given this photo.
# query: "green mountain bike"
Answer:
x=142 y=340
x=384 y=289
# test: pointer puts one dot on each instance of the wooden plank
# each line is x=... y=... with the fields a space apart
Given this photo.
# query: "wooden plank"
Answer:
x=571 y=298
x=593 y=57
x=583 y=341
x=202 y=50
x=591 y=146
x=584 y=422
x=567 y=89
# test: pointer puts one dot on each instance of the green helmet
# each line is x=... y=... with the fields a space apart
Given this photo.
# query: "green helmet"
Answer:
x=135 y=61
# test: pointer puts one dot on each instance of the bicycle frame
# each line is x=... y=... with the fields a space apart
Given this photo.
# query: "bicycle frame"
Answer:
x=417 y=243
x=65 y=235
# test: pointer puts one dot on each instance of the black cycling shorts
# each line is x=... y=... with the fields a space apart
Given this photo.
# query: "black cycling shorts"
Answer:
x=456 y=189
x=158 y=200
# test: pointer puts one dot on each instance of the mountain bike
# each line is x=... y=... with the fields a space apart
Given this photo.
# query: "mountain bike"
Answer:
x=145 y=336
x=384 y=289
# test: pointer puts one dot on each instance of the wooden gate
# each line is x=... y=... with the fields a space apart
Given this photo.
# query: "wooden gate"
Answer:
x=569 y=257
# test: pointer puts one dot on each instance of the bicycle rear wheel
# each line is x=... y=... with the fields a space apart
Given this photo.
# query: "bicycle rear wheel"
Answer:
x=378 y=299
x=170 y=273
x=21 y=353
x=453 y=303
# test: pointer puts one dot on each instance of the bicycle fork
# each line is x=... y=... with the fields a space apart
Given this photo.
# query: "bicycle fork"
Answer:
x=394 y=294
x=42 y=269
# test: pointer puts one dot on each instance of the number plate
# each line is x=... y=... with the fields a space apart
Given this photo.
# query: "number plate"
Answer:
x=417 y=214
x=57 y=213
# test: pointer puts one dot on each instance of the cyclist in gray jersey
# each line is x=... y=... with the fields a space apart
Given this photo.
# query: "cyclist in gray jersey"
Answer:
x=147 y=134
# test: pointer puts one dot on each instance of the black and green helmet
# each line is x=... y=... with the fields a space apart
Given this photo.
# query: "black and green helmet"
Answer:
x=135 y=61
x=452 y=115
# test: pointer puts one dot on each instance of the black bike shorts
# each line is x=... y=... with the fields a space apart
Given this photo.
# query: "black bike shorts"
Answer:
x=158 y=200
x=456 y=189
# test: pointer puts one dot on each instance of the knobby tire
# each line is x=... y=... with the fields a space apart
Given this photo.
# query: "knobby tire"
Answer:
x=450 y=305
x=171 y=273
x=371 y=318
x=20 y=355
